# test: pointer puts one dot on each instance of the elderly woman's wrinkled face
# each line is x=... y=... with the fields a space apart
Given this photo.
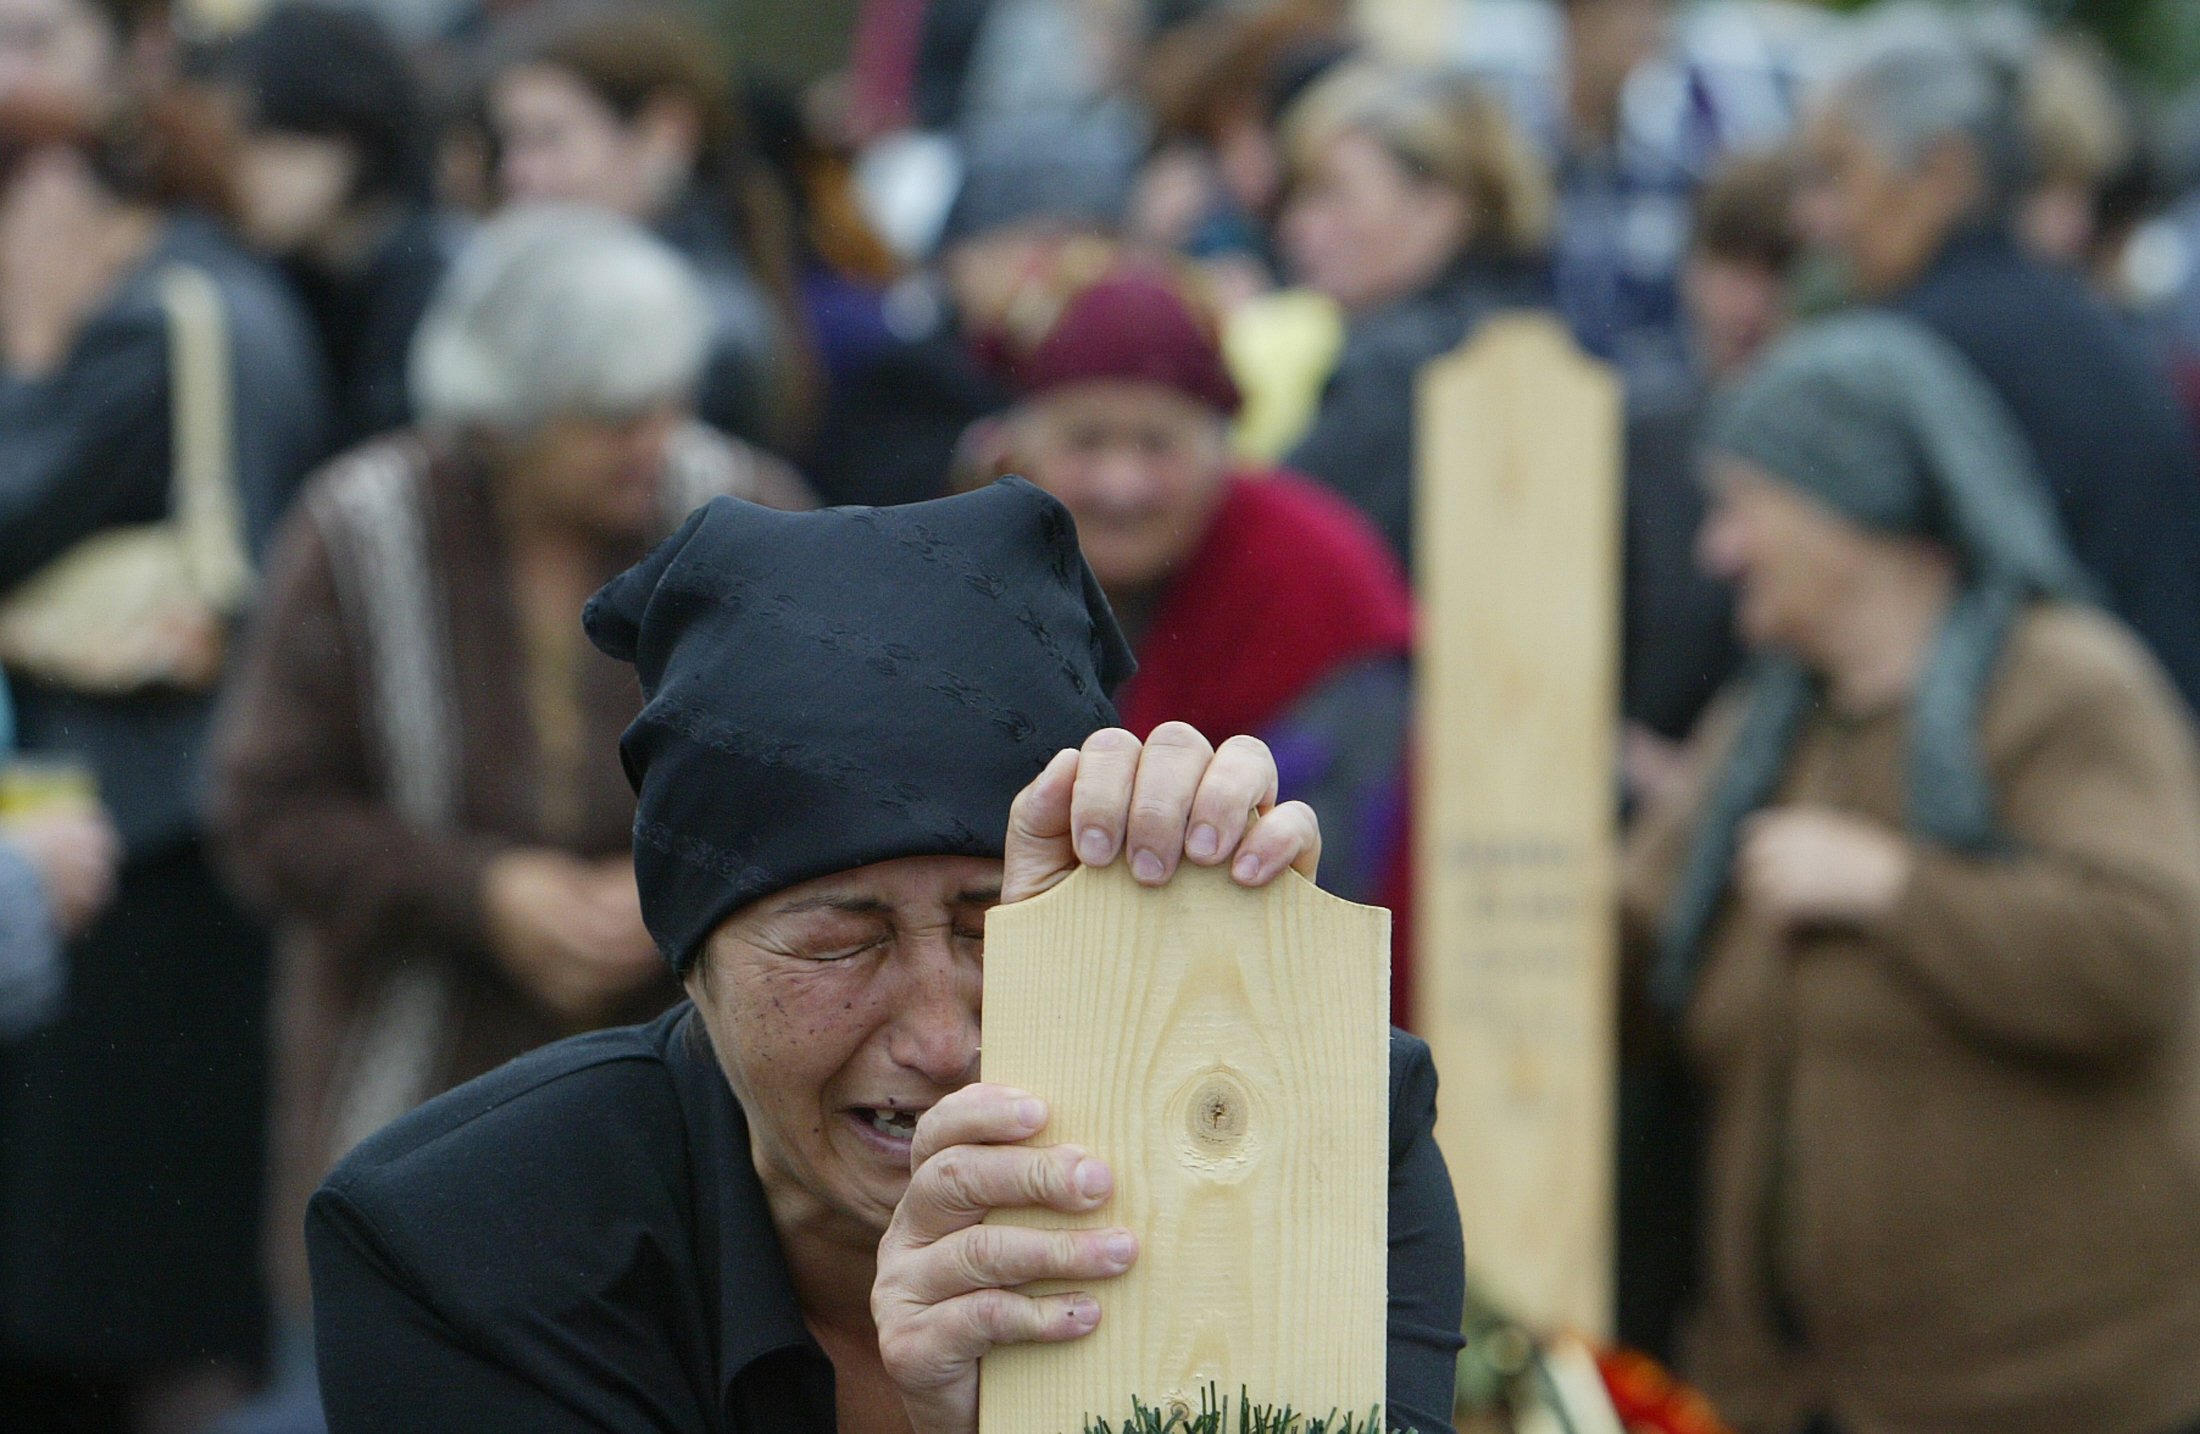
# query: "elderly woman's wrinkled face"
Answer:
x=1362 y=230
x=557 y=140
x=1139 y=466
x=601 y=476
x=57 y=50
x=841 y=1010
x=1793 y=561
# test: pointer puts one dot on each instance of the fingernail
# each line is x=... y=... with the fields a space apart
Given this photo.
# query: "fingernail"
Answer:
x=1247 y=868
x=1093 y=1179
x=1146 y=866
x=1084 y=1310
x=1204 y=842
x=1031 y=1111
x=1120 y=1248
x=1094 y=848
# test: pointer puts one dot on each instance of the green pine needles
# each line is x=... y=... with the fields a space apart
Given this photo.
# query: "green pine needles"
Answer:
x=1214 y=1418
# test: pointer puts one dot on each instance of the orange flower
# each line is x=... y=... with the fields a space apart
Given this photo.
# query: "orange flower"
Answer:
x=1648 y=1400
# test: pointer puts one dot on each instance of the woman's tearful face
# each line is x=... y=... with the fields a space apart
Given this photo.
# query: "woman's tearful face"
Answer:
x=841 y=1010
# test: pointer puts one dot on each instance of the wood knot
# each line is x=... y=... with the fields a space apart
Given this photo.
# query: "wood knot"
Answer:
x=1217 y=1113
x=1213 y=1118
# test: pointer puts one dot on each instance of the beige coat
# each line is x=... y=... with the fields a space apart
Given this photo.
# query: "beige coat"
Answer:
x=1962 y=1145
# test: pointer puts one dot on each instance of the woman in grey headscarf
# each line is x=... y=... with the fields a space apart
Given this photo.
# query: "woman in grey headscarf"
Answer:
x=1926 y=917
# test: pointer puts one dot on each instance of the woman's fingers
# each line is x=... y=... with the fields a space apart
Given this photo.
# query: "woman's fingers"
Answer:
x=1175 y=760
x=1238 y=786
x=961 y=1185
x=1040 y=812
x=1107 y=771
x=984 y=1318
x=944 y=1293
x=1154 y=803
x=1005 y=1256
x=933 y=1351
x=1288 y=837
x=1037 y=853
x=978 y=1114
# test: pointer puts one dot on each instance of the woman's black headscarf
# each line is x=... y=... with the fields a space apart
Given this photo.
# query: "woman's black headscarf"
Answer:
x=1878 y=418
x=827 y=690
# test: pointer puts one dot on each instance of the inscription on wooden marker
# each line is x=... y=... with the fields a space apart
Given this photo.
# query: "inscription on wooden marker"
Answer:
x=1227 y=1052
x=1517 y=521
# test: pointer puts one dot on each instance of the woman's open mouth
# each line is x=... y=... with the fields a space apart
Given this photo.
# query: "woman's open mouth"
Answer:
x=899 y=1124
x=886 y=1130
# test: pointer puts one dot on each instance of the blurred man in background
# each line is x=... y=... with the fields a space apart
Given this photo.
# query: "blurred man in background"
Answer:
x=1916 y=161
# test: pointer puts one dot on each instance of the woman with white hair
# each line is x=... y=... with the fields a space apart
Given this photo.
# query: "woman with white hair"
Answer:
x=409 y=780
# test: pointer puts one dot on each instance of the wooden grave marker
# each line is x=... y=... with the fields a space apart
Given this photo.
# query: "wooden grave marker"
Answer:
x=1227 y=1052
x=1517 y=531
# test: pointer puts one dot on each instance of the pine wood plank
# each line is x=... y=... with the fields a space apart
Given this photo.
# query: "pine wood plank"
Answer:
x=1227 y=1051
x=1517 y=520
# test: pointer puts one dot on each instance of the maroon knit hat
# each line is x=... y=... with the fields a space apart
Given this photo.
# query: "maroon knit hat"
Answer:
x=1133 y=322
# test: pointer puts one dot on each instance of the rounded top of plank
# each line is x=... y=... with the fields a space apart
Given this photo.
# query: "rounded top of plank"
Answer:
x=1191 y=884
x=1527 y=336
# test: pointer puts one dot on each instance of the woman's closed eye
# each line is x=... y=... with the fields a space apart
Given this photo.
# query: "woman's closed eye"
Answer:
x=834 y=938
x=844 y=952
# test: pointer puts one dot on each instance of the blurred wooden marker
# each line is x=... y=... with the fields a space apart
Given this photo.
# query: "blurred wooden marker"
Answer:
x=1227 y=1052
x=1517 y=526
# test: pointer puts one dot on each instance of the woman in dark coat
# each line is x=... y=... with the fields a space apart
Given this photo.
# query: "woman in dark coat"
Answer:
x=864 y=728
x=1417 y=206
x=130 y=1131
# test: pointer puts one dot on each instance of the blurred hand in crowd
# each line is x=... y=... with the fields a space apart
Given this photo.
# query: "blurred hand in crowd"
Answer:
x=1652 y=768
x=569 y=931
x=1814 y=866
x=1175 y=193
x=76 y=854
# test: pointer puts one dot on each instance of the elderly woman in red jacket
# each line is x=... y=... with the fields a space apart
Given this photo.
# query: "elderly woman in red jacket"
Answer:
x=1254 y=601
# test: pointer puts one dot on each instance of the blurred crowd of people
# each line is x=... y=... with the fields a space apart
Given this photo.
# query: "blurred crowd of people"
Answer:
x=345 y=351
